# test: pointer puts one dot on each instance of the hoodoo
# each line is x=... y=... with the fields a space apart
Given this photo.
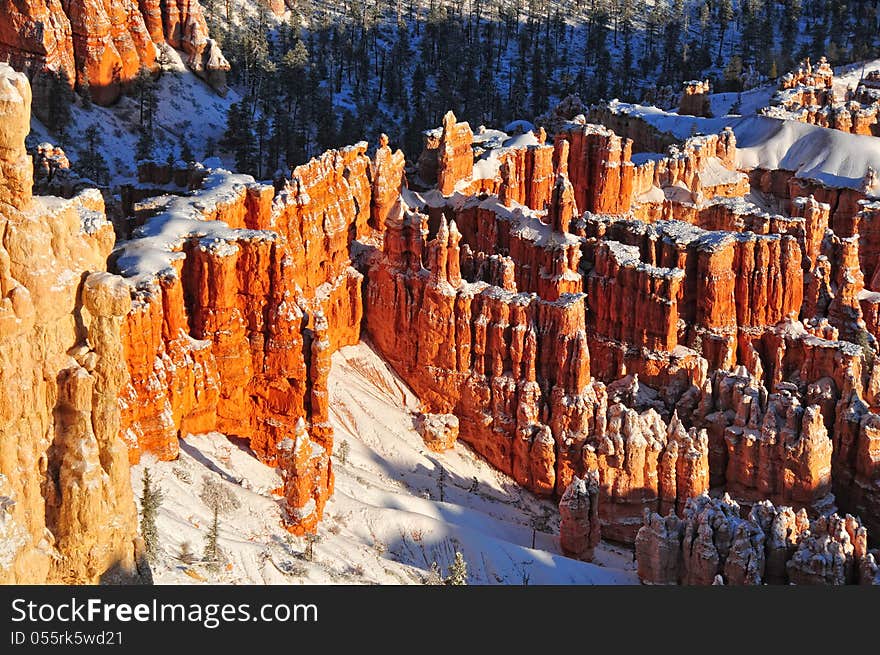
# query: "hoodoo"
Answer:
x=663 y=323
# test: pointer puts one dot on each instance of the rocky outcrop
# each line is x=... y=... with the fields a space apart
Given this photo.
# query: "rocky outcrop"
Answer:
x=632 y=301
x=695 y=99
x=440 y=431
x=16 y=174
x=807 y=95
x=773 y=545
x=68 y=513
x=101 y=45
x=455 y=159
x=484 y=347
x=600 y=168
x=579 y=528
x=241 y=296
x=387 y=175
x=514 y=367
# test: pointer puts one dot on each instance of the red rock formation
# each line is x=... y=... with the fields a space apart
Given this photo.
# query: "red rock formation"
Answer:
x=16 y=174
x=527 y=176
x=455 y=159
x=68 y=514
x=546 y=259
x=695 y=99
x=579 y=529
x=440 y=431
x=807 y=95
x=599 y=167
x=820 y=75
x=105 y=44
x=387 y=176
x=830 y=553
x=773 y=545
x=234 y=332
x=682 y=368
x=632 y=301
x=643 y=463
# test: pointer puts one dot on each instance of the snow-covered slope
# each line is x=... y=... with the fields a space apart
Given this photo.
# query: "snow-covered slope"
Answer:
x=831 y=156
x=188 y=109
x=386 y=522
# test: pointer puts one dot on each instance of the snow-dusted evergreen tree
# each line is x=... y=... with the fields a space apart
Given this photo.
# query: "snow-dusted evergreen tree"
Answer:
x=434 y=576
x=145 y=91
x=211 y=553
x=343 y=450
x=457 y=574
x=151 y=499
x=311 y=540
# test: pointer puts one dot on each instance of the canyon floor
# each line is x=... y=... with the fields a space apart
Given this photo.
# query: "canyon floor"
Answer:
x=385 y=522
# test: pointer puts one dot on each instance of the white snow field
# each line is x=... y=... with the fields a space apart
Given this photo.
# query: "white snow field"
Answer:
x=385 y=523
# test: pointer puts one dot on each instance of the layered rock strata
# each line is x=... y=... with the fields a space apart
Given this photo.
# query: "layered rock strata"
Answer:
x=695 y=99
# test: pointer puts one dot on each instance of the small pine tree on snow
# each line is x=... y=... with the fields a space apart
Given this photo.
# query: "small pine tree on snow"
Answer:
x=211 y=553
x=458 y=574
x=91 y=163
x=434 y=577
x=311 y=540
x=344 y=449
x=151 y=500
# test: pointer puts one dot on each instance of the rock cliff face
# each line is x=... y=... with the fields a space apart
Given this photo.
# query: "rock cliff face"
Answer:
x=68 y=512
x=773 y=545
x=241 y=295
x=671 y=303
x=103 y=44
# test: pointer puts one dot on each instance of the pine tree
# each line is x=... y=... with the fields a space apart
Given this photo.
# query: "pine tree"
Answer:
x=151 y=500
x=311 y=540
x=85 y=94
x=60 y=98
x=211 y=553
x=725 y=15
x=239 y=138
x=434 y=576
x=91 y=164
x=343 y=452
x=144 y=88
x=457 y=574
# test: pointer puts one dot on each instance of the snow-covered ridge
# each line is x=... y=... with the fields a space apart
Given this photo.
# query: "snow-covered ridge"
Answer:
x=159 y=242
x=828 y=156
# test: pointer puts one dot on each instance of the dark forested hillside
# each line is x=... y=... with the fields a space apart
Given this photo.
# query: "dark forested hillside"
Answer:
x=331 y=73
